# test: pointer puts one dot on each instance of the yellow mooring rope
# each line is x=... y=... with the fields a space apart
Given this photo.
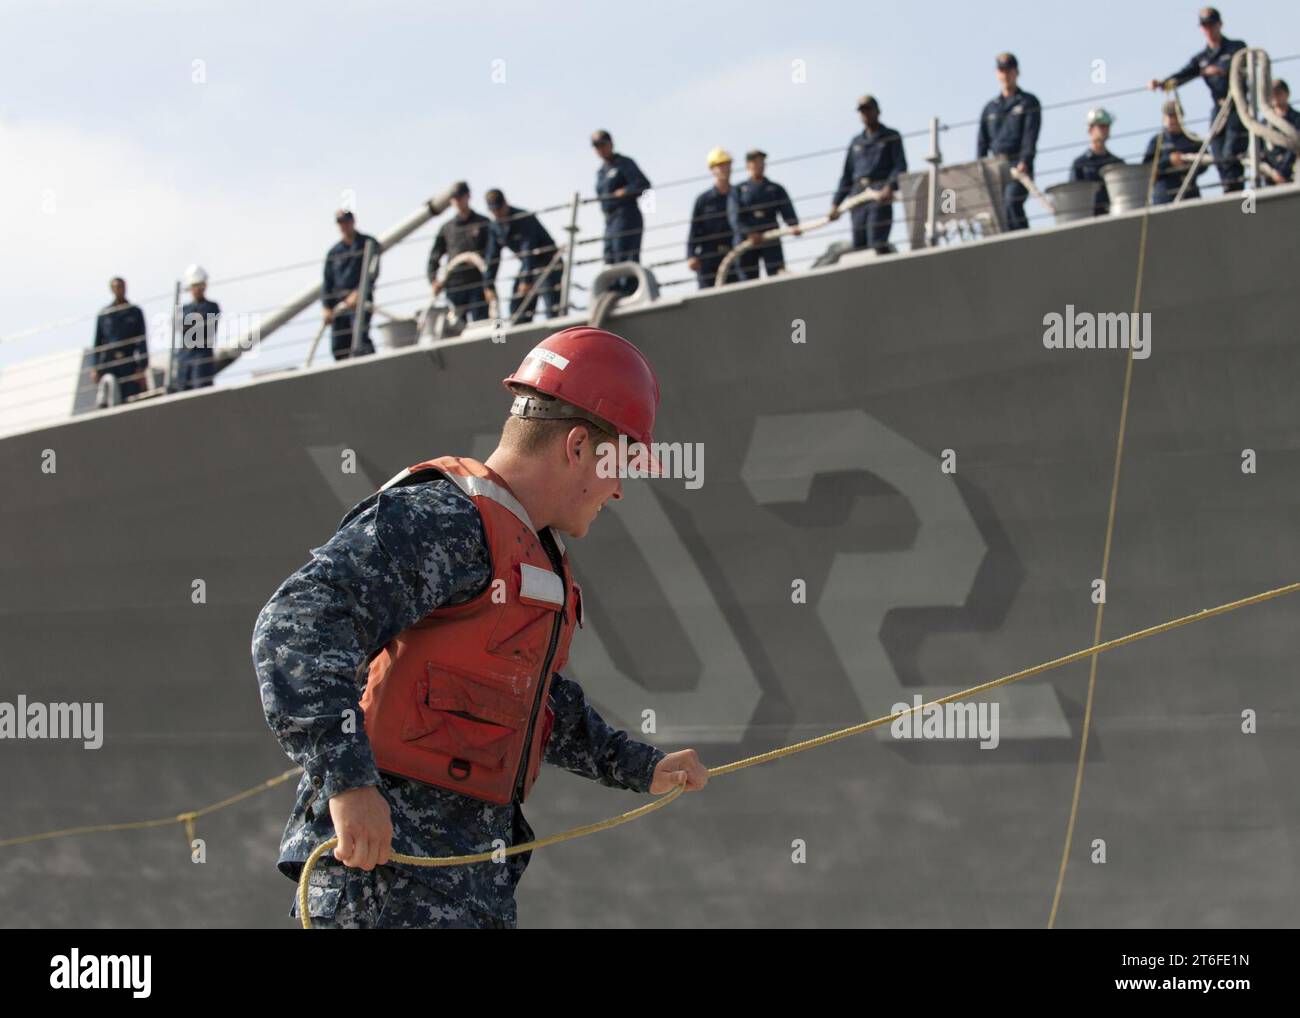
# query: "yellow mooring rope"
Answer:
x=186 y=818
x=777 y=754
x=1105 y=554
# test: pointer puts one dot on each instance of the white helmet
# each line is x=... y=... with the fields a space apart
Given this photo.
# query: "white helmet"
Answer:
x=195 y=275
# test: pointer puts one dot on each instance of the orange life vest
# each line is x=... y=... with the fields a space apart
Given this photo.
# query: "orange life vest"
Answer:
x=459 y=700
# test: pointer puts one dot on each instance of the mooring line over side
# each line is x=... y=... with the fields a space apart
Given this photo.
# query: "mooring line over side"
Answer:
x=186 y=818
x=577 y=832
x=1105 y=554
x=798 y=747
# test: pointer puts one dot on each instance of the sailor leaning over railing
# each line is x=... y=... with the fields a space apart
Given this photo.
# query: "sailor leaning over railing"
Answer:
x=1212 y=64
x=540 y=269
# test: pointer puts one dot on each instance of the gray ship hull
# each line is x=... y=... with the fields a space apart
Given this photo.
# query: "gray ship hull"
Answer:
x=822 y=465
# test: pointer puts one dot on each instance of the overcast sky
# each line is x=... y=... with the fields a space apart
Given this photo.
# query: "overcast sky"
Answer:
x=139 y=137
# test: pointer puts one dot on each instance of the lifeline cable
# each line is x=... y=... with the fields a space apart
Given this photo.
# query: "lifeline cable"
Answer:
x=784 y=751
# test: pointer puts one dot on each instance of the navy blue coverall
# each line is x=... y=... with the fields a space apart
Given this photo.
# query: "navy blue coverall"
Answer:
x=874 y=159
x=710 y=237
x=532 y=243
x=754 y=205
x=1169 y=178
x=464 y=283
x=122 y=347
x=1009 y=127
x=1088 y=167
x=196 y=349
x=342 y=276
x=623 y=222
x=1229 y=145
x=1279 y=157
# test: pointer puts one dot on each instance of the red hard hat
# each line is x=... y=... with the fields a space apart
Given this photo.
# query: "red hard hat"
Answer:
x=595 y=371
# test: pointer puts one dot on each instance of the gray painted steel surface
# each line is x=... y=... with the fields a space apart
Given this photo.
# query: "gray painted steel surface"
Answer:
x=821 y=464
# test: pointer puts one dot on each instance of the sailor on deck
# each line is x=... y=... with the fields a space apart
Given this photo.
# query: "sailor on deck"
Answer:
x=520 y=231
x=466 y=231
x=1095 y=156
x=619 y=183
x=1212 y=64
x=196 y=349
x=121 y=342
x=1177 y=151
x=874 y=160
x=709 y=239
x=341 y=287
x=1009 y=127
x=753 y=208
x=1278 y=164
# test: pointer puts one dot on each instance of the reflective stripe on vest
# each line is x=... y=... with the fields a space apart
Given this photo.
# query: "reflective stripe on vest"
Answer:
x=479 y=487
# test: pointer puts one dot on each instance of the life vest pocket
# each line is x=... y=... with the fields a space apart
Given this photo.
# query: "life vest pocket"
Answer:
x=451 y=689
x=463 y=717
x=465 y=738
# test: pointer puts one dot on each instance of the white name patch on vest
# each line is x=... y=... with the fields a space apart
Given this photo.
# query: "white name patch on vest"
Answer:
x=540 y=587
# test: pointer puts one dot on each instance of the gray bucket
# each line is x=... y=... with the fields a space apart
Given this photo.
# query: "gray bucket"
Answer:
x=1073 y=200
x=1126 y=183
x=397 y=332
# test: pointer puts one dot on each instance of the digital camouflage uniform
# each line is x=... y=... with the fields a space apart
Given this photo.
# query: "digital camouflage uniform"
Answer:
x=398 y=555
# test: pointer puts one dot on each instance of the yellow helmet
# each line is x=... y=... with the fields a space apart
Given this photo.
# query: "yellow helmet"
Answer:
x=717 y=156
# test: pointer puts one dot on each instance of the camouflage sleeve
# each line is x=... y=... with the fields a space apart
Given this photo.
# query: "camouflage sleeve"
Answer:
x=397 y=556
x=581 y=742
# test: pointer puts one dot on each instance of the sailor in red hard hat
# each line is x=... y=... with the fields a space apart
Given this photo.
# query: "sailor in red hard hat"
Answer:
x=450 y=590
x=586 y=373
